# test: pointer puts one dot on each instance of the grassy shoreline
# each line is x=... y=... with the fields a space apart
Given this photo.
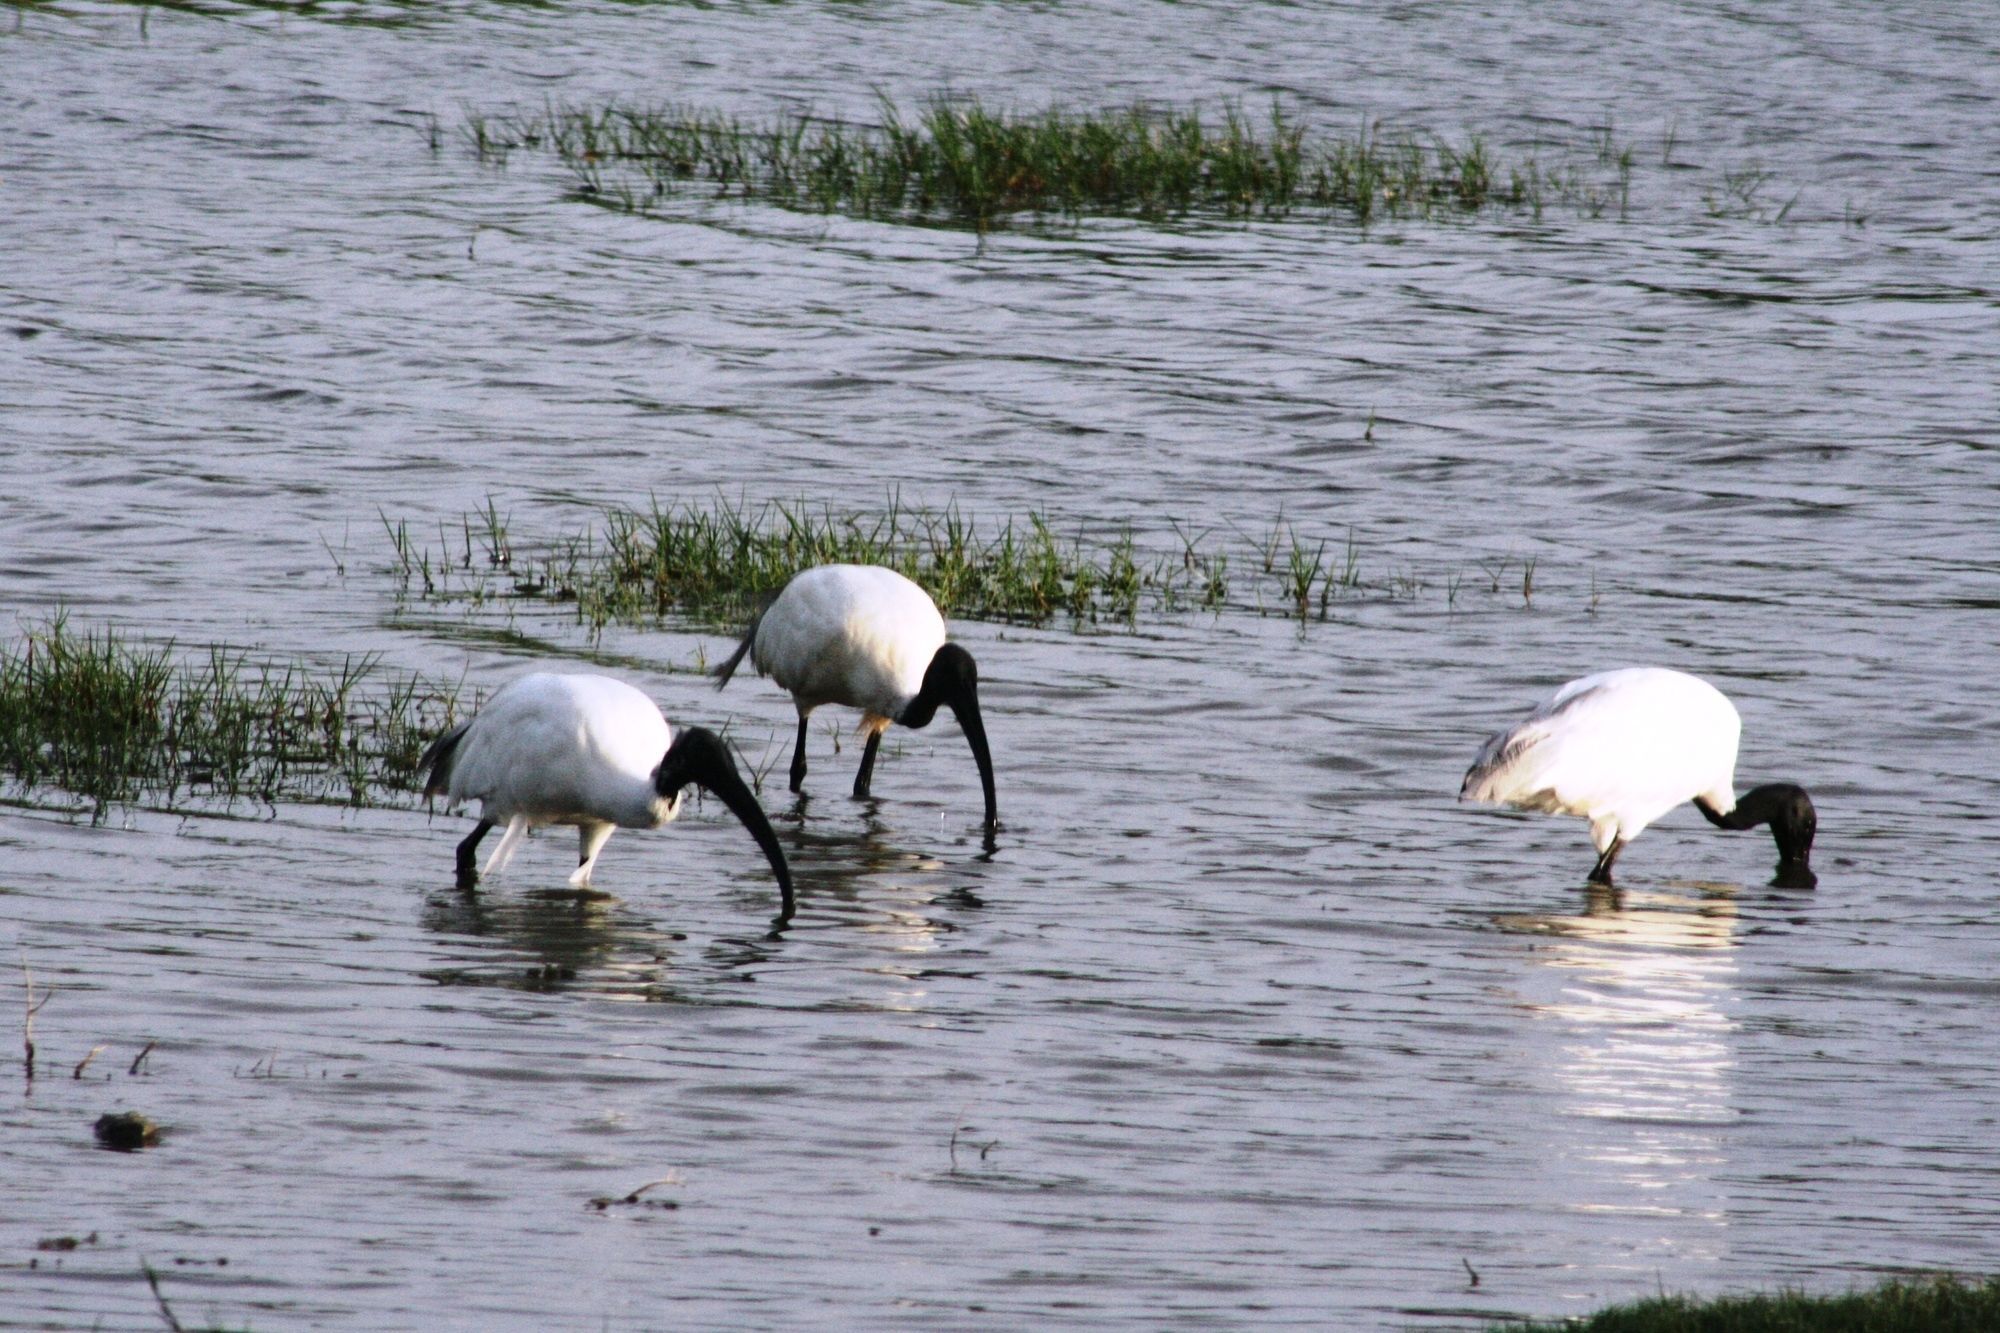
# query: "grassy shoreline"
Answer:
x=1941 y=1304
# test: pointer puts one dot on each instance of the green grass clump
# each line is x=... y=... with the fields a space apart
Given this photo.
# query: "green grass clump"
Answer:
x=116 y=721
x=717 y=563
x=956 y=161
x=1928 y=1305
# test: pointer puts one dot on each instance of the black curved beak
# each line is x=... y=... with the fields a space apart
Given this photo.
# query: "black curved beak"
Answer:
x=699 y=757
x=965 y=707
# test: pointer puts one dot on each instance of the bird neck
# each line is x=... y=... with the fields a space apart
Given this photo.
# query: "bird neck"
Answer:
x=918 y=712
x=1759 y=805
x=950 y=681
x=1735 y=817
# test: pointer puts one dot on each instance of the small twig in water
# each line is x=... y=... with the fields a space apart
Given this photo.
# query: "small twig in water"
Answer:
x=84 y=1063
x=166 y=1311
x=957 y=1124
x=633 y=1197
x=140 y=1058
x=958 y=1127
x=603 y=1202
x=1470 y=1271
x=339 y=565
x=34 y=1007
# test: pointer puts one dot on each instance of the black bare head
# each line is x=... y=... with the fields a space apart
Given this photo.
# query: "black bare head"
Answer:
x=699 y=757
x=1789 y=811
x=952 y=680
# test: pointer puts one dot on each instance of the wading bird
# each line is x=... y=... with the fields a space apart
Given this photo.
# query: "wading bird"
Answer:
x=588 y=751
x=1622 y=748
x=868 y=638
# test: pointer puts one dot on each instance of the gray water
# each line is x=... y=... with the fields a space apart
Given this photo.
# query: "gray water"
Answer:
x=1245 y=1021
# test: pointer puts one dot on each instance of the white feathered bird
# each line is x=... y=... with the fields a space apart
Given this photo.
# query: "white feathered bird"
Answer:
x=584 y=750
x=868 y=638
x=1621 y=748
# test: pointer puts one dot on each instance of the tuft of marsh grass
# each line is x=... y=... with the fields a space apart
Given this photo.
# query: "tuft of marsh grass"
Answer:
x=1924 y=1305
x=956 y=161
x=716 y=563
x=114 y=720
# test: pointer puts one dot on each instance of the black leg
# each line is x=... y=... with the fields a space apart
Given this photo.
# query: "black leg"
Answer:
x=468 y=874
x=867 y=772
x=1601 y=872
x=799 y=756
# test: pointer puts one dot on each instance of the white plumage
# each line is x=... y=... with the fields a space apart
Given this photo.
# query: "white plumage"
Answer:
x=858 y=635
x=583 y=750
x=865 y=637
x=1621 y=748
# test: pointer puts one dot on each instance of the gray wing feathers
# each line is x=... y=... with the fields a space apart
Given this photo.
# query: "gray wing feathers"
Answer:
x=728 y=669
x=1499 y=751
x=1507 y=769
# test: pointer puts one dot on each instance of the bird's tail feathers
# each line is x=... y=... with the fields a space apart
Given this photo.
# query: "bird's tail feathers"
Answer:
x=728 y=669
x=1511 y=769
x=438 y=759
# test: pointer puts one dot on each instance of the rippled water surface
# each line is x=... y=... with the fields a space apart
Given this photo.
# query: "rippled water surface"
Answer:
x=1244 y=1021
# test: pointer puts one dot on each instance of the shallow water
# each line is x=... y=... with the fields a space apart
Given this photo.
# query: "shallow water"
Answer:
x=1245 y=1021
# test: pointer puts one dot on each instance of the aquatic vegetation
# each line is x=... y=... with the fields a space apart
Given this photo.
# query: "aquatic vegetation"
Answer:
x=114 y=720
x=1923 y=1305
x=956 y=161
x=717 y=563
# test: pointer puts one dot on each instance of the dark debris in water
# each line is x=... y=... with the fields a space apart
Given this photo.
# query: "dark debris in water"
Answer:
x=605 y=1203
x=126 y=1131
x=65 y=1243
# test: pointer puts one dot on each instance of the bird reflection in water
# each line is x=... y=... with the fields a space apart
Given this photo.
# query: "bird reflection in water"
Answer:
x=892 y=908
x=892 y=904
x=1641 y=987
x=564 y=939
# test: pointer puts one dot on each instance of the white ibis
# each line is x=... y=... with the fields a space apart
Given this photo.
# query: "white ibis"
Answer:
x=584 y=750
x=868 y=638
x=1621 y=748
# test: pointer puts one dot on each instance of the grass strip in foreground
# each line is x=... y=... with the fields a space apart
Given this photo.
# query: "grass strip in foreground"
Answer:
x=1924 y=1305
x=114 y=720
